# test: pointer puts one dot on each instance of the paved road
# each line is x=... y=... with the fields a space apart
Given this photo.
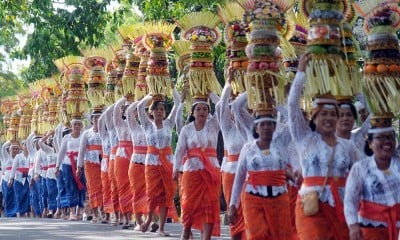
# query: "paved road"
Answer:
x=51 y=229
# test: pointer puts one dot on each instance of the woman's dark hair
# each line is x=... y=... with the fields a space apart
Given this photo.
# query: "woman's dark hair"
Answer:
x=312 y=124
x=352 y=109
x=255 y=134
x=66 y=131
x=191 y=117
x=155 y=104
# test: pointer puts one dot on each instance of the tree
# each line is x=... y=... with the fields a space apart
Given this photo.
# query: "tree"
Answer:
x=57 y=31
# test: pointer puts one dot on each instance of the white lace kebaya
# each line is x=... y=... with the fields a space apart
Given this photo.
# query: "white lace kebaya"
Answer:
x=367 y=182
x=314 y=152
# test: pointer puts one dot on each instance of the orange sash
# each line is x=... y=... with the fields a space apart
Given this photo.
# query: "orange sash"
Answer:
x=267 y=178
x=232 y=157
x=382 y=213
x=162 y=155
x=204 y=154
x=72 y=156
x=139 y=149
x=335 y=183
x=94 y=148
x=125 y=144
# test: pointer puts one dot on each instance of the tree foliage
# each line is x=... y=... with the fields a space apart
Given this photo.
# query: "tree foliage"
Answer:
x=57 y=32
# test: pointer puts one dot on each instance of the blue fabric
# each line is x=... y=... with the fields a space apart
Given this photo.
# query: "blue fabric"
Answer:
x=62 y=191
x=82 y=193
x=10 y=208
x=72 y=193
x=52 y=193
x=22 y=196
x=34 y=198
x=43 y=194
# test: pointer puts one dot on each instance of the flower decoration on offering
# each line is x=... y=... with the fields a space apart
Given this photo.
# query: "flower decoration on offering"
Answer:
x=298 y=41
x=350 y=53
x=26 y=114
x=130 y=74
x=182 y=59
x=12 y=131
x=264 y=81
x=235 y=31
x=158 y=40
x=326 y=70
x=109 y=96
x=95 y=93
x=119 y=62
x=76 y=99
x=382 y=63
x=200 y=29
x=137 y=36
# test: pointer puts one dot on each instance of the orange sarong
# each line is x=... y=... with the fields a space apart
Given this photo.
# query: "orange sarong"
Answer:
x=93 y=185
x=121 y=167
x=293 y=192
x=227 y=184
x=106 y=190
x=200 y=192
x=382 y=213
x=323 y=225
x=160 y=186
x=138 y=187
x=267 y=218
x=113 y=182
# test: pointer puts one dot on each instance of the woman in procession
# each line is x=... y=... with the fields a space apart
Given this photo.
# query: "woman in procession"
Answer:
x=325 y=163
x=160 y=187
x=372 y=199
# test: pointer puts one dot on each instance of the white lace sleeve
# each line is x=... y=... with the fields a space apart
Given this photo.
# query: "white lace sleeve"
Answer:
x=102 y=127
x=62 y=152
x=225 y=113
x=118 y=121
x=297 y=124
x=172 y=114
x=180 y=150
x=47 y=149
x=360 y=133
x=37 y=163
x=82 y=149
x=142 y=114
x=242 y=117
x=14 y=167
x=30 y=146
x=6 y=154
x=109 y=118
x=130 y=117
x=353 y=193
x=179 y=123
x=240 y=177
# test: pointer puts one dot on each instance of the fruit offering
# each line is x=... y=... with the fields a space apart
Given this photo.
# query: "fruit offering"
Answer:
x=326 y=70
x=231 y=15
x=265 y=19
x=200 y=29
x=382 y=62
x=158 y=40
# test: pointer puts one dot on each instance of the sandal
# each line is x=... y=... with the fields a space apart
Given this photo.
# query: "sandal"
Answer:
x=144 y=227
x=154 y=227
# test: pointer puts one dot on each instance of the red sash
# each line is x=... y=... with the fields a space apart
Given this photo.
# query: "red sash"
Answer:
x=204 y=155
x=267 y=178
x=382 y=213
x=232 y=157
x=72 y=156
x=162 y=155
x=139 y=149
